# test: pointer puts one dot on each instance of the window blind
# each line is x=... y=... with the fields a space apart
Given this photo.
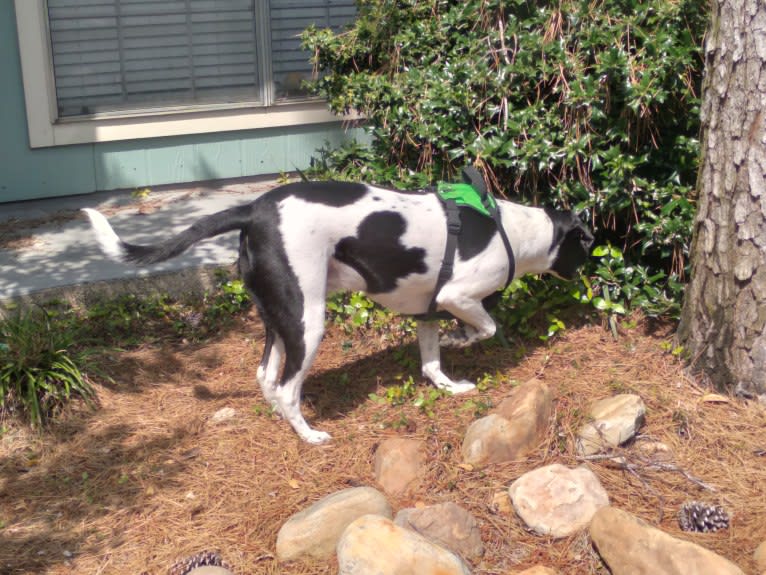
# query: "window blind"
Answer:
x=290 y=64
x=116 y=54
x=133 y=54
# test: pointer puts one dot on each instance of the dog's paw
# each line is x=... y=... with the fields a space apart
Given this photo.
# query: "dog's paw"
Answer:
x=315 y=437
x=461 y=386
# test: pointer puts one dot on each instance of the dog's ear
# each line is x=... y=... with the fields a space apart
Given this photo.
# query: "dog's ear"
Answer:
x=571 y=243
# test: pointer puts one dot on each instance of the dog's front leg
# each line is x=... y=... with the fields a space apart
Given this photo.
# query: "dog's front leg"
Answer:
x=479 y=325
x=428 y=341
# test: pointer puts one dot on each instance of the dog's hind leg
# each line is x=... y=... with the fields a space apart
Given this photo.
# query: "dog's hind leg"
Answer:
x=299 y=355
x=428 y=341
x=268 y=370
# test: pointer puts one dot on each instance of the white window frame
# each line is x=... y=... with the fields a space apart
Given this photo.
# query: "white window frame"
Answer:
x=47 y=129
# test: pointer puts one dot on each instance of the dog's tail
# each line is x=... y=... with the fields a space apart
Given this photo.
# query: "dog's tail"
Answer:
x=232 y=219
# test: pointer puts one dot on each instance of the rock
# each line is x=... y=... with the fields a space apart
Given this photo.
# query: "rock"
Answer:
x=210 y=570
x=556 y=500
x=314 y=532
x=222 y=415
x=656 y=450
x=501 y=503
x=631 y=546
x=615 y=421
x=537 y=570
x=399 y=465
x=513 y=429
x=759 y=556
x=373 y=545
x=447 y=524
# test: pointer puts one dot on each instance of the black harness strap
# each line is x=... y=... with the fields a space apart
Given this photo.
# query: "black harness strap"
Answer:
x=495 y=211
x=472 y=176
x=448 y=262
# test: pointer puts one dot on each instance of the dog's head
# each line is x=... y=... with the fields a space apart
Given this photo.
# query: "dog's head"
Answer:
x=571 y=243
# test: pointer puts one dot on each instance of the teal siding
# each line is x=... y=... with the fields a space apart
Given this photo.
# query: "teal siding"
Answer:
x=67 y=170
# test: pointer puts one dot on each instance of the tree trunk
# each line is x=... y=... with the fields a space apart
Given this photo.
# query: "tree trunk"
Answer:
x=723 y=322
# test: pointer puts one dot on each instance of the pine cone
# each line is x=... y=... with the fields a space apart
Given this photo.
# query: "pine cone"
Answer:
x=201 y=559
x=701 y=517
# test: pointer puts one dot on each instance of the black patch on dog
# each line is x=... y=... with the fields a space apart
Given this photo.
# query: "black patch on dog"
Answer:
x=377 y=253
x=476 y=231
x=573 y=240
x=333 y=194
x=266 y=271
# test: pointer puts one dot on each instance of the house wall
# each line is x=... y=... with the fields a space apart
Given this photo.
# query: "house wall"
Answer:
x=27 y=173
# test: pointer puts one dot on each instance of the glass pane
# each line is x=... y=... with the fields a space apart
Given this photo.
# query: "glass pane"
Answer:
x=128 y=54
x=291 y=65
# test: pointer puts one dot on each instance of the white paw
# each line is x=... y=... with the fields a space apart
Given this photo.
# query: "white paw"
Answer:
x=461 y=386
x=315 y=437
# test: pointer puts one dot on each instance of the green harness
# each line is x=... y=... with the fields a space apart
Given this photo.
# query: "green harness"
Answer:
x=466 y=195
x=473 y=194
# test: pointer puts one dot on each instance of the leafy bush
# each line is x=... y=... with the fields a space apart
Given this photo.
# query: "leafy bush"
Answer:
x=592 y=106
x=38 y=372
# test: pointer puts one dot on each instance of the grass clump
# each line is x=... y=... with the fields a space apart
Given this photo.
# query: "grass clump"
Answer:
x=39 y=370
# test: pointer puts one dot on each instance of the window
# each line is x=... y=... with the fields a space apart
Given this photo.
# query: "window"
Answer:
x=112 y=69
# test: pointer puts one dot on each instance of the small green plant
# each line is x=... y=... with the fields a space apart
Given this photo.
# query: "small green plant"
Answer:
x=404 y=358
x=672 y=349
x=140 y=193
x=529 y=307
x=488 y=381
x=426 y=400
x=351 y=309
x=400 y=394
x=231 y=296
x=38 y=372
x=478 y=407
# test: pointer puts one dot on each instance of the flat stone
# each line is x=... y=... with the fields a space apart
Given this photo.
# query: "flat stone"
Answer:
x=615 y=421
x=399 y=465
x=222 y=415
x=759 y=556
x=374 y=545
x=630 y=546
x=557 y=501
x=447 y=524
x=513 y=429
x=501 y=503
x=315 y=531
x=537 y=570
x=210 y=570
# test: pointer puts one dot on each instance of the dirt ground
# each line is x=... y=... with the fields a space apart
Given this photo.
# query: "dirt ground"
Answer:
x=148 y=478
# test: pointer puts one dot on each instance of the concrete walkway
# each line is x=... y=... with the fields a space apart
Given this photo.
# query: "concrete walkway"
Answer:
x=48 y=250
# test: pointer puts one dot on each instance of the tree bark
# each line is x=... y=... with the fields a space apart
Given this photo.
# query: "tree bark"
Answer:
x=723 y=321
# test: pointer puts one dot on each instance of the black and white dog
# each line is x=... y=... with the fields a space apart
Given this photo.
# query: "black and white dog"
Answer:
x=302 y=241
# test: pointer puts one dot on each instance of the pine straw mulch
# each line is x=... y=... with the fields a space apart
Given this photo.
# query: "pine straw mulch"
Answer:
x=149 y=478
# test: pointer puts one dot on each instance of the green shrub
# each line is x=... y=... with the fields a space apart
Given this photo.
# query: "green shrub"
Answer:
x=38 y=370
x=592 y=106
